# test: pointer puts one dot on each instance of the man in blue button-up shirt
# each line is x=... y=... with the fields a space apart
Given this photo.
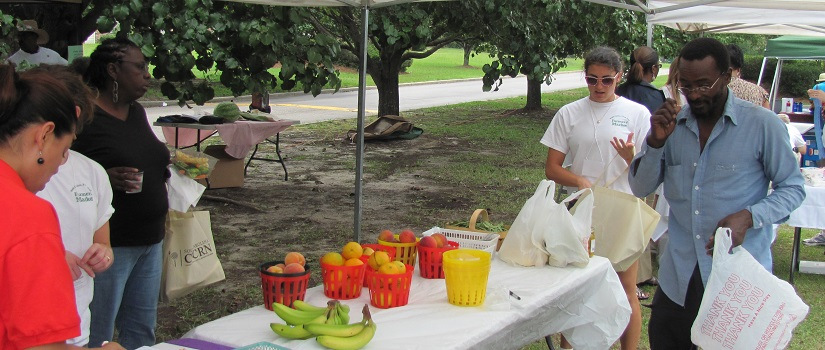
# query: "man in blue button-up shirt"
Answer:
x=716 y=158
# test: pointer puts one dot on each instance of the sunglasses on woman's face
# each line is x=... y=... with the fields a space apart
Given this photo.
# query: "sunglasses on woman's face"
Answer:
x=606 y=81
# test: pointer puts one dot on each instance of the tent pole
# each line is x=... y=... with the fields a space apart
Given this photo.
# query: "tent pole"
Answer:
x=649 y=33
x=775 y=86
x=762 y=70
x=359 y=142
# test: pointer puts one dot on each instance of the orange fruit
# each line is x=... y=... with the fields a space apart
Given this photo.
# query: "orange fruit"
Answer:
x=377 y=259
x=390 y=269
x=368 y=251
x=353 y=262
x=352 y=250
x=333 y=258
x=400 y=266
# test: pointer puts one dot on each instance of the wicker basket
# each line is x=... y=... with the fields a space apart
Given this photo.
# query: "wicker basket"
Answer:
x=484 y=216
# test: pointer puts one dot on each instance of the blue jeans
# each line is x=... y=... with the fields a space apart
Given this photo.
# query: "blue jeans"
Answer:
x=126 y=297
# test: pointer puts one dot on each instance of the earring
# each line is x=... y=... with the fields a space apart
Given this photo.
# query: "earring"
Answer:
x=114 y=92
x=40 y=160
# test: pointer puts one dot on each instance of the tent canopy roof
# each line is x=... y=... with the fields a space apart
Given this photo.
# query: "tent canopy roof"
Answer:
x=320 y=3
x=778 y=17
x=796 y=47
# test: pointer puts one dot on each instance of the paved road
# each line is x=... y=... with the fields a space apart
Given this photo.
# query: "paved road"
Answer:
x=344 y=104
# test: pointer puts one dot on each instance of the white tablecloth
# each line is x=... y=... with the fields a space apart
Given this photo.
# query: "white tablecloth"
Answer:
x=811 y=214
x=587 y=304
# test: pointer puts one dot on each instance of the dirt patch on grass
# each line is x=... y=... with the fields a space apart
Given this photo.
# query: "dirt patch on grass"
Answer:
x=313 y=213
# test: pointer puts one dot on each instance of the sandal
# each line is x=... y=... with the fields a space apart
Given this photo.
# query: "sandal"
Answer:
x=641 y=294
x=651 y=282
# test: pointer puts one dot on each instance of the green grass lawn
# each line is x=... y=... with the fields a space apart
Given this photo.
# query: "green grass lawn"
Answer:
x=444 y=64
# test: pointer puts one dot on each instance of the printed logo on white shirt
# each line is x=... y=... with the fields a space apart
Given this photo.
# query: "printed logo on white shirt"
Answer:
x=620 y=121
x=82 y=193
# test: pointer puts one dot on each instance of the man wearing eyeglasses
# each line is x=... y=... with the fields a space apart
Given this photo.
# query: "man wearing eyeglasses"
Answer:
x=716 y=158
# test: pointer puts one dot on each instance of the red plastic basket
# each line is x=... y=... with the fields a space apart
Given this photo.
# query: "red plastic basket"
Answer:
x=404 y=252
x=429 y=260
x=343 y=282
x=282 y=288
x=376 y=247
x=388 y=291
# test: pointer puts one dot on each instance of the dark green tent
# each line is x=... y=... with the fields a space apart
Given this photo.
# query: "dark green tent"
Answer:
x=790 y=47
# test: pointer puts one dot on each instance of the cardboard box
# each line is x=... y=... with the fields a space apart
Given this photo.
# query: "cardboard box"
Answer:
x=228 y=171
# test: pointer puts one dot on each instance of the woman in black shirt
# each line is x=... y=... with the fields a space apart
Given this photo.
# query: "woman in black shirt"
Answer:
x=120 y=139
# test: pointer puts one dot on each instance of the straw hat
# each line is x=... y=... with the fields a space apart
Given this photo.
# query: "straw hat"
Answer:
x=30 y=25
x=821 y=78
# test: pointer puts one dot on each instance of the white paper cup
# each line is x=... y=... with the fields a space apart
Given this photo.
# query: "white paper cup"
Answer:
x=138 y=182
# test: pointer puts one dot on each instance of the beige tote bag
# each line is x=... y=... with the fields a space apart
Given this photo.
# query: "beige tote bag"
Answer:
x=190 y=261
x=622 y=223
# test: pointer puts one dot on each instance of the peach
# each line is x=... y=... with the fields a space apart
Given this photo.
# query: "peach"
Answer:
x=441 y=239
x=282 y=266
x=428 y=241
x=333 y=258
x=275 y=269
x=295 y=257
x=406 y=236
x=386 y=236
x=294 y=268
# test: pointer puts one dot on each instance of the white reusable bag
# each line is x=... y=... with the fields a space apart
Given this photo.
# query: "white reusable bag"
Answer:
x=518 y=248
x=190 y=261
x=564 y=235
x=744 y=305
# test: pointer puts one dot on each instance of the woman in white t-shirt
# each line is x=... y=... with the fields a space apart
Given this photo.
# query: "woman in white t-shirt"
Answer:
x=590 y=132
x=82 y=197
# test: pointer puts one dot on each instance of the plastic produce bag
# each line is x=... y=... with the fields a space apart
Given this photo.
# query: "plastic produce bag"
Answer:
x=563 y=234
x=518 y=247
x=744 y=305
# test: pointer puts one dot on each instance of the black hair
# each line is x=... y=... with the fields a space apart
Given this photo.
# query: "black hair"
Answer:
x=642 y=61
x=33 y=97
x=699 y=48
x=737 y=58
x=110 y=51
x=82 y=95
x=605 y=56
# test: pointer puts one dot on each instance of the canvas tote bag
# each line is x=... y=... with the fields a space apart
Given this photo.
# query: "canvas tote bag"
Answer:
x=190 y=261
x=744 y=305
x=622 y=223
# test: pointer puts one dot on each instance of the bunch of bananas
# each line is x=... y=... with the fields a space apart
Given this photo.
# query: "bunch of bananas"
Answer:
x=192 y=166
x=329 y=324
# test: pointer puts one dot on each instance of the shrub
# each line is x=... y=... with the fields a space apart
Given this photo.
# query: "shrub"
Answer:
x=797 y=75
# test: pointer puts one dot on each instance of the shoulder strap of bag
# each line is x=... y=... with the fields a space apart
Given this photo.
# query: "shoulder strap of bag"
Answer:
x=604 y=173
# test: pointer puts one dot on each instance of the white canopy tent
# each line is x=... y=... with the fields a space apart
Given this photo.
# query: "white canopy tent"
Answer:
x=365 y=6
x=777 y=17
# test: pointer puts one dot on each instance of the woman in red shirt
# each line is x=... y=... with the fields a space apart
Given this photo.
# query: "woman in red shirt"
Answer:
x=37 y=125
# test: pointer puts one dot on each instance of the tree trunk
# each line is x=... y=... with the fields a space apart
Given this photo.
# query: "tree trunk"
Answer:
x=533 y=94
x=385 y=76
x=468 y=49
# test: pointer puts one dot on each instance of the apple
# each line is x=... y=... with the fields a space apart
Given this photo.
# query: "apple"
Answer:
x=429 y=242
x=406 y=236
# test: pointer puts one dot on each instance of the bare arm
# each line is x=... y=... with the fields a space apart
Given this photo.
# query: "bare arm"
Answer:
x=99 y=257
x=553 y=170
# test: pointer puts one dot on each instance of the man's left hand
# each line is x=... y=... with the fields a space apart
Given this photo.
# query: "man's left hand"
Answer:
x=738 y=223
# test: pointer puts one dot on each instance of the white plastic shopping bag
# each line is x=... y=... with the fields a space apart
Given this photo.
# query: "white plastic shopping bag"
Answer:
x=744 y=305
x=564 y=235
x=518 y=248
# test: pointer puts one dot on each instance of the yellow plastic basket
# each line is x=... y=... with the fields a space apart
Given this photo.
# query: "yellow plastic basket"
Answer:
x=404 y=252
x=465 y=273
